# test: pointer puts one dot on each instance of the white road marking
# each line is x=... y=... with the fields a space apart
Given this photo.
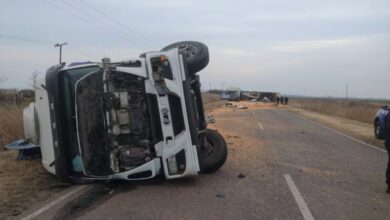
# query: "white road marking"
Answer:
x=253 y=113
x=53 y=203
x=260 y=125
x=298 y=198
x=342 y=134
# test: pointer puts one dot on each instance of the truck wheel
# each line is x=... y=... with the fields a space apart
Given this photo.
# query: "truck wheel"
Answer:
x=377 y=130
x=214 y=154
x=195 y=53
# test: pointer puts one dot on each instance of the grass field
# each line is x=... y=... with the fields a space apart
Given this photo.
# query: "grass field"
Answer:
x=358 y=110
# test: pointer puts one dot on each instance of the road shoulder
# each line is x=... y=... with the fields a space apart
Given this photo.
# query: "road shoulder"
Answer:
x=358 y=130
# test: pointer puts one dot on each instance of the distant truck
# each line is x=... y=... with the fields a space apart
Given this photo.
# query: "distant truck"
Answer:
x=379 y=122
x=231 y=94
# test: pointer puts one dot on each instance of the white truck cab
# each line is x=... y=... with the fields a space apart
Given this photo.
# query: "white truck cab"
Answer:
x=128 y=120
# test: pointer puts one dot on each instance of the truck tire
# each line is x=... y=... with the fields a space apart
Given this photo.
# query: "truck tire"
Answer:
x=214 y=155
x=377 y=130
x=195 y=53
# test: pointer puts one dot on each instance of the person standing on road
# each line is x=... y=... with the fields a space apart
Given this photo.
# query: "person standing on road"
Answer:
x=286 y=100
x=387 y=144
x=277 y=100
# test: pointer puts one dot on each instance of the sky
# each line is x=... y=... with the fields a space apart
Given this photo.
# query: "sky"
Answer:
x=280 y=45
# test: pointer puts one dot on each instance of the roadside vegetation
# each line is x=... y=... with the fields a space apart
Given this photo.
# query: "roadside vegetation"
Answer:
x=353 y=117
x=357 y=110
x=11 y=124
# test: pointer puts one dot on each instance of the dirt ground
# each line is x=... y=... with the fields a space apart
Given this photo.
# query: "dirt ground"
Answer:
x=22 y=183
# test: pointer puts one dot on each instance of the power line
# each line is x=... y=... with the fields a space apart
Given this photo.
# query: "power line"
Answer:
x=120 y=24
x=32 y=40
x=94 y=18
x=90 y=23
x=24 y=39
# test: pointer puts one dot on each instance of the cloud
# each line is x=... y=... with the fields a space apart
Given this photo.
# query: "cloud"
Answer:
x=297 y=46
x=237 y=52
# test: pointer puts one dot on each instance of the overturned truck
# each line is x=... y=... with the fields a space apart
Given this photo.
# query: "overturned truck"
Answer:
x=128 y=120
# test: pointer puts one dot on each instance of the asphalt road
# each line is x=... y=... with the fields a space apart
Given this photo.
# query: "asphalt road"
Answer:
x=292 y=168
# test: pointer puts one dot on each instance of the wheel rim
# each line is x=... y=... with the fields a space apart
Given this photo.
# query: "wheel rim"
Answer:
x=188 y=50
x=206 y=150
x=377 y=129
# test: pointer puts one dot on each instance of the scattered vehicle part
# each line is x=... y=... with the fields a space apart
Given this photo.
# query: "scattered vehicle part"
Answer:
x=240 y=176
x=127 y=120
x=26 y=150
x=220 y=195
x=380 y=123
x=241 y=107
x=228 y=105
x=234 y=106
x=265 y=99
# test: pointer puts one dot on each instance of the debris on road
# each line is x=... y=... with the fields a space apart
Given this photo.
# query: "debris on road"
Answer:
x=242 y=107
x=220 y=195
x=230 y=136
x=26 y=150
x=234 y=106
x=241 y=176
x=228 y=105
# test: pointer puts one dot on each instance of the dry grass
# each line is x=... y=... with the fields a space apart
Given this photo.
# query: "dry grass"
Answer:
x=11 y=123
x=21 y=182
x=358 y=110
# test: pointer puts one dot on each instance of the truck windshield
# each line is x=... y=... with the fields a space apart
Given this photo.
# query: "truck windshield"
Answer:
x=68 y=79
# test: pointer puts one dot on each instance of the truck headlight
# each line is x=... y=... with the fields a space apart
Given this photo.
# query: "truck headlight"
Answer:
x=177 y=163
x=172 y=165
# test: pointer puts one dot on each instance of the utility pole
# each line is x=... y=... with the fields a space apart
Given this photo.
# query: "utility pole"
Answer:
x=346 y=91
x=60 y=46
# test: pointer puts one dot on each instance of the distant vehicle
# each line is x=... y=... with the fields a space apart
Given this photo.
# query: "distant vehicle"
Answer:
x=231 y=94
x=379 y=122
